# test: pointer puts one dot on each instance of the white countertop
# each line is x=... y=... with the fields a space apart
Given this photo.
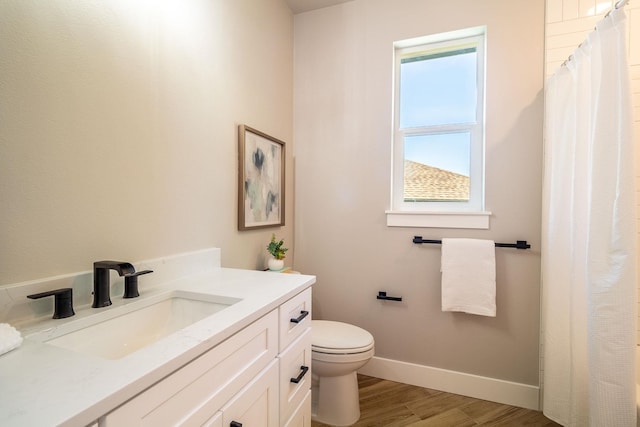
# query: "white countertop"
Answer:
x=44 y=385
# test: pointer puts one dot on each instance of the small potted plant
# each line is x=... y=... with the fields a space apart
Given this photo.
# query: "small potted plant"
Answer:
x=277 y=253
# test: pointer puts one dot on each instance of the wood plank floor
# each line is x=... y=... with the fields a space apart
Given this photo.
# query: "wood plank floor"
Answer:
x=390 y=404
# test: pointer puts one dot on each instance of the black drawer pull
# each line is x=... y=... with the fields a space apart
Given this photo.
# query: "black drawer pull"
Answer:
x=303 y=314
x=235 y=424
x=303 y=372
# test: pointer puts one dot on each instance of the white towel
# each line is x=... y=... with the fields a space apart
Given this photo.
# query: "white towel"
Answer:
x=469 y=276
x=9 y=338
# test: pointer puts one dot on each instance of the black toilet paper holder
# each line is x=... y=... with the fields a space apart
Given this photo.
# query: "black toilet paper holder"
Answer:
x=383 y=295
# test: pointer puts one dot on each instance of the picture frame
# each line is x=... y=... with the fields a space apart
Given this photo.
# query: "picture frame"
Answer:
x=261 y=180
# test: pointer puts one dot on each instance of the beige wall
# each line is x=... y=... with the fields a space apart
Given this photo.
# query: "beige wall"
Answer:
x=118 y=128
x=342 y=128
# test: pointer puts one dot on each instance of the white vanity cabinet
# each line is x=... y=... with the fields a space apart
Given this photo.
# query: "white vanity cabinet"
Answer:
x=245 y=381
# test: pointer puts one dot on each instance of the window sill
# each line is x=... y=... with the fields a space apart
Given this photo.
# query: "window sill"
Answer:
x=472 y=220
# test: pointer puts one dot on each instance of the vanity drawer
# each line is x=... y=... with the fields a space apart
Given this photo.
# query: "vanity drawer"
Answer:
x=195 y=392
x=295 y=318
x=295 y=363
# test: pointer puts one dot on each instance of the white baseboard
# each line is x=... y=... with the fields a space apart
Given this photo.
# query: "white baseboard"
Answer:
x=506 y=392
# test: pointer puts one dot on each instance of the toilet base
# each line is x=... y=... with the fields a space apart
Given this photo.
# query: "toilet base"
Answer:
x=335 y=400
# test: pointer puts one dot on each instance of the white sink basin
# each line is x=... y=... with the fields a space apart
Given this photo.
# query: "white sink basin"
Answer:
x=125 y=333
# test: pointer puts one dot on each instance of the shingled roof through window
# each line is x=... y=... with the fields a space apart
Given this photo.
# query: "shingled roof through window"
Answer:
x=428 y=183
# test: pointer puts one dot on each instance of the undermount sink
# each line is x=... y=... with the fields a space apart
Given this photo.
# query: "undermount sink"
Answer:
x=126 y=333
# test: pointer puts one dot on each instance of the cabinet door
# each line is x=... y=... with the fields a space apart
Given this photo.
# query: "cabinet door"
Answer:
x=302 y=415
x=215 y=421
x=257 y=404
x=295 y=374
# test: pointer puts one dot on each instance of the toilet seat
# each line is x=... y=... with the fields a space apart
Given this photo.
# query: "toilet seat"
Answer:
x=332 y=337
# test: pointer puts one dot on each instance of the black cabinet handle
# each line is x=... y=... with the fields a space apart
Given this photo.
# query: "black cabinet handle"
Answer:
x=235 y=424
x=383 y=295
x=303 y=372
x=298 y=319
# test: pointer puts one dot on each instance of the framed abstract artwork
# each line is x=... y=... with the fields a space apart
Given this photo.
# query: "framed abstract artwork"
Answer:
x=261 y=161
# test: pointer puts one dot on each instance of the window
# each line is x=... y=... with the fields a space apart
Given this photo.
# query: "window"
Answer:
x=438 y=164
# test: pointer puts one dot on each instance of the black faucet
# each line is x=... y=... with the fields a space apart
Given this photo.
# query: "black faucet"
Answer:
x=101 y=282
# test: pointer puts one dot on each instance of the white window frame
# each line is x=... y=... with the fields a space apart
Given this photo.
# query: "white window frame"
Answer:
x=469 y=214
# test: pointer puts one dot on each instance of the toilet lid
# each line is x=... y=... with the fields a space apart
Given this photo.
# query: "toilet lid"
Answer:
x=336 y=337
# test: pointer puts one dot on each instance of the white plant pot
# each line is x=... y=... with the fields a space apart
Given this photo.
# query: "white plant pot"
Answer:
x=276 y=264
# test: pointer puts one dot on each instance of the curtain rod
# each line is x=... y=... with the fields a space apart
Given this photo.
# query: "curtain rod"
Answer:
x=620 y=3
x=617 y=5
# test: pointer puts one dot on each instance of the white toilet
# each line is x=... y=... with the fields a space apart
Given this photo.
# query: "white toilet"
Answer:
x=338 y=350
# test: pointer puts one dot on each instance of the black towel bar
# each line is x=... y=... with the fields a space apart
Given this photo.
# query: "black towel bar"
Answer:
x=520 y=244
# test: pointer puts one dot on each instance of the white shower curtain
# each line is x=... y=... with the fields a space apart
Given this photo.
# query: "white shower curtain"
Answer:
x=588 y=242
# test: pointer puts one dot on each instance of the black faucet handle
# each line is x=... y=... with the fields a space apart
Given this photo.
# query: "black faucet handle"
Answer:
x=131 y=283
x=139 y=273
x=63 y=301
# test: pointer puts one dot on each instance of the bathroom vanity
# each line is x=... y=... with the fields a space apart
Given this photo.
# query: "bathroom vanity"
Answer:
x=244 y=380
x=246 y=364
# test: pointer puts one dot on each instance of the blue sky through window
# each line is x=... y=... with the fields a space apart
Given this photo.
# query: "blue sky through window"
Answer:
x=449 y=151
x=439 y=89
